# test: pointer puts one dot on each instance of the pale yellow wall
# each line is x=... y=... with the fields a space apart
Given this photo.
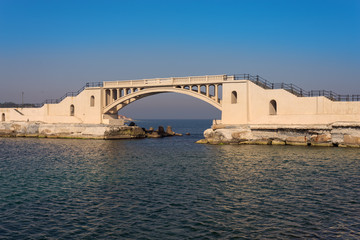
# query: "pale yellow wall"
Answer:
x=234 y=113
x=83 y=112
x=253 y=107
x=60 y=113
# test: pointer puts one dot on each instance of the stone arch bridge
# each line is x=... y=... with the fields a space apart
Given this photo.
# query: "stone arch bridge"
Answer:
x=242 y=99
x=118 y=94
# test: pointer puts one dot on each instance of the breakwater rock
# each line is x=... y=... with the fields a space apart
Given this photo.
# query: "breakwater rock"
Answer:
x=342 y=134
x=81 y=131
x=151 y=133
x=63 y=130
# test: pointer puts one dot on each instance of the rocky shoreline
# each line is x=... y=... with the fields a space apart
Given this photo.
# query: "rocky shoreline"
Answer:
x=81 y=131
x=340 y=134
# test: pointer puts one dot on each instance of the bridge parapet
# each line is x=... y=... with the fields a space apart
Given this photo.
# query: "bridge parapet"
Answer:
x=169 y=81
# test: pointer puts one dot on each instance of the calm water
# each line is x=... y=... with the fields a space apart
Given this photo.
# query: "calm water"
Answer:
x=174 y=189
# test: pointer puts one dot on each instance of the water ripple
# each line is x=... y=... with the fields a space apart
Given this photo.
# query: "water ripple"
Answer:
x=174 y=189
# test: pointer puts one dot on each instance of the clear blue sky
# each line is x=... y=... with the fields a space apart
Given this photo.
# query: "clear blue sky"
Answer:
x=48 y=48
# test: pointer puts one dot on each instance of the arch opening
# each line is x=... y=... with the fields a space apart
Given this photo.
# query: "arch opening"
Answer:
x=3 y=117
x=272 y=107
x=107 y=96
x=114 y=94
x=135 y=96
x=203 y=89
x=170 y=105
x=233 y=97
x=92 y=101
x=72 y=110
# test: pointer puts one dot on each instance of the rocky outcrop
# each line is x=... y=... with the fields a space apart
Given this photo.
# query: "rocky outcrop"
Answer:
x=337 y=134
x=81 y=131
x=62 y=130
x=151 y=133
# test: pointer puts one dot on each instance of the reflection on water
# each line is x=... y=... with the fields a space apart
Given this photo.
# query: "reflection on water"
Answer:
x=175 y=189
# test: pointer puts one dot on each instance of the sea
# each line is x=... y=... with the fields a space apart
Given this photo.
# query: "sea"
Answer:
x=173 y=188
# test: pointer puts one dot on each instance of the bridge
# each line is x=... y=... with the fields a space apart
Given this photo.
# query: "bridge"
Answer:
x=242 y=99
x=118 y=94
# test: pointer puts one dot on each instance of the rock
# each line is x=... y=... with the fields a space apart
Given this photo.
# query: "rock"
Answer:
x=161 y=130
x=188 y=134
x=178 y=134
x=299 y=139
x=169 y=131
x=131 y=124
x=151 y=129
x=154 y=134
x=322 y=138
x=202 y=141
x=351 y=140
x=125 y=132
x=277 y=142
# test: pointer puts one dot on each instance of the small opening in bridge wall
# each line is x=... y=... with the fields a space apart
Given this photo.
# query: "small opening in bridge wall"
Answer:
x=92 y=101
x=107 y=96
x=272 y=107
x=3 y=117
x=72 y=110
x=233 y=97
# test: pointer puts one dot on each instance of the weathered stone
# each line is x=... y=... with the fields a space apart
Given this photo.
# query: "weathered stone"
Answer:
x=300 y=139
x=351 y=140
x=161 y=130
x=297 y=143
x=313 y=135
x=240 y=136
x=322 y=138
x=202 y=141
x=169 y=131
x=125 y=132
x=63 y=130
x=131 y=124
x=322 y=144
x=154 y=134
x=277 y=142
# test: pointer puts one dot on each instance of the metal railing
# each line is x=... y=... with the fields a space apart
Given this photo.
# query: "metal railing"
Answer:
x=70 y=94
x=297 y=91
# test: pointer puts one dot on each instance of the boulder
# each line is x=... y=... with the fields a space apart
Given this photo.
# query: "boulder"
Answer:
x=161 y=130
x=169 y=131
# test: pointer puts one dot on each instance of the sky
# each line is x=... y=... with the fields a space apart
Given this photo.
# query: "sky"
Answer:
x=48 y=48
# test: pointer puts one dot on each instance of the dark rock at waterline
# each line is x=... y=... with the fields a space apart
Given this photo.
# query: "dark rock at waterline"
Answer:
x=154 y=134
x=188 y=134
x=161 y=130
x=131 y=124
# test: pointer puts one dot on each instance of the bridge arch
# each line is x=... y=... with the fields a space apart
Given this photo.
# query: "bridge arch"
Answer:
x=134 y=96
x=273 y=107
